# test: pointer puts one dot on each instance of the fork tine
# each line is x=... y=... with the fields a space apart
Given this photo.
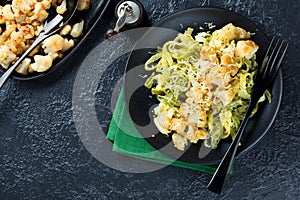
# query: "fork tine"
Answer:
x=283 y=48
x=272 y=57
x=266 y=58
x=272 y=60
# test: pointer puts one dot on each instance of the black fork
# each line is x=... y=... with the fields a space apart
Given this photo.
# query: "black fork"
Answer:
x=263 y=79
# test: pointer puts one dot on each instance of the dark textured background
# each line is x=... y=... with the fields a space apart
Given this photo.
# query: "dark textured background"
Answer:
x=42 y=156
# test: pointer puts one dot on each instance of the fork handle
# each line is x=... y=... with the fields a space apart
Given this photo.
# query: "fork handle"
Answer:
x=219 y=178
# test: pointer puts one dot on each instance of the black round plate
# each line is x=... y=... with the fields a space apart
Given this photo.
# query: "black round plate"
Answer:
x=140 y=102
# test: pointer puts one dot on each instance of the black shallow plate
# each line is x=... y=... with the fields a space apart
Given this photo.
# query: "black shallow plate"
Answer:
x=140 y=102
x=90 y=17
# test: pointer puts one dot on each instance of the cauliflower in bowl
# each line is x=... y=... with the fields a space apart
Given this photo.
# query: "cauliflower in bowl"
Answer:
x=21 y=21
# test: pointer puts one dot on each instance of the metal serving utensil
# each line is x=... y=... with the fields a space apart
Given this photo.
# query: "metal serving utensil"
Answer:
x=264 y=78
x=50 y=28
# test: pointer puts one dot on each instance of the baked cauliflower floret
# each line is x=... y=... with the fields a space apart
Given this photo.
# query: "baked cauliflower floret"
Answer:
x=230 y=32
x=83 y=5
x=6 y=56
x=163 y=119
x=5 y=35
x=77 y=29
x=54 y=55
x=46 y=3
x=194 y=134
x=20 y=17
x=65 y=30
x=67 y=44
x=17 y=36
x=54 y=43
x=2 y=18
x=23 y=67
x=41 y=63
x=27 y=30
x=245 y=49
x=62 y=8
x=24 y=6
x=16 y=47
x=39 y=13
x=225 y=96
x=178 y=125
x=39 y=29
x=225 y=35
x=7 y=12
x=179 y=141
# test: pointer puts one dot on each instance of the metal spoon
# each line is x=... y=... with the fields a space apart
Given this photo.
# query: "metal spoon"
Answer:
x=50 y=28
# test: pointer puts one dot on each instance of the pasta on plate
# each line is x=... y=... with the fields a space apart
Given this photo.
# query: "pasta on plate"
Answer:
x=203 y=84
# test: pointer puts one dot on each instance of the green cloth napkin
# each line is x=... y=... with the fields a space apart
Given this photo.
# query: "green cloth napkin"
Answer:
x=127 y=140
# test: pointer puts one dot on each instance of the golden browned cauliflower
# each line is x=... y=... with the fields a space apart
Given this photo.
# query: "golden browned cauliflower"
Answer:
x=83 y=5
x=22 y=21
